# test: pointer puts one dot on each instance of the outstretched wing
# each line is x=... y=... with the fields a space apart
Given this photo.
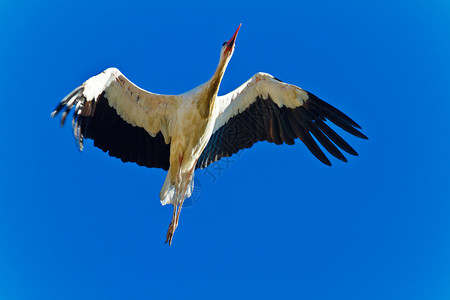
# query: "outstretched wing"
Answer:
x=266 y=109
x=124 y=120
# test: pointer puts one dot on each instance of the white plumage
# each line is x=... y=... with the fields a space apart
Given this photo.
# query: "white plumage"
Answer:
x=260 y=85
x=181 y=133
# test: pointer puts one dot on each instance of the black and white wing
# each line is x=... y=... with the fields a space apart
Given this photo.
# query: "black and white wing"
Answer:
x=266 y=109
x=124 y=120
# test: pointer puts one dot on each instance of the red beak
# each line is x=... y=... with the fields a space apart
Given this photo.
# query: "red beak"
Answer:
x=233 y=39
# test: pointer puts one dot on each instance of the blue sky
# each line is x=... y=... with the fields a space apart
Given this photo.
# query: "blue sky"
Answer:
x=272 y=222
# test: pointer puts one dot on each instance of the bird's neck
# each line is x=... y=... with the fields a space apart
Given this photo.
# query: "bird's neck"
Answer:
x=208 y=96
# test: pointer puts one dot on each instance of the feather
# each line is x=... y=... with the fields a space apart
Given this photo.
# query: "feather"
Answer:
x=335 y=137
x=287 y=134
x=306 y=138
x=325 y=142
x=331 y=110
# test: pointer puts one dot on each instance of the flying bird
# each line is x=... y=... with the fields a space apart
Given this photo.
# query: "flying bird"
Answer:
x=182 y=133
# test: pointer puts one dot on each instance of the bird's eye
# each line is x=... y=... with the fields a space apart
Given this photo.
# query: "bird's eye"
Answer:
x=224 y=43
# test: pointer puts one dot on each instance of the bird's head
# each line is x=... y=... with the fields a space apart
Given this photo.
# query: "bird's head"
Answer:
x=228 y=46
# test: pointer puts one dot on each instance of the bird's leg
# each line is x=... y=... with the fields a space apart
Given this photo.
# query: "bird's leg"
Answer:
x=172 y=226
x=174 y=222
x=188 y=180
x=176 y=207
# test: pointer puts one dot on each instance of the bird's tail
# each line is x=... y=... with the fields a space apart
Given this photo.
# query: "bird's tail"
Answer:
x=168 y=191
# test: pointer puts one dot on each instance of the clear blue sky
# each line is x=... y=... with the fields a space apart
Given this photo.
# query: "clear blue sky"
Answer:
x=273 y=222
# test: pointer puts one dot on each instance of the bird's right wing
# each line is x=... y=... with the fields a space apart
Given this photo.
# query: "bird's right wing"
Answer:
x=266 y=109
x=124 y=120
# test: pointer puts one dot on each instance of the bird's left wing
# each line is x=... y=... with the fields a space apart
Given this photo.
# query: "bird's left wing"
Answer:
x=124 y=120
x=266 y=109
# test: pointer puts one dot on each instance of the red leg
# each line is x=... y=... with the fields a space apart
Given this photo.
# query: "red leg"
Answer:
x=176 y=207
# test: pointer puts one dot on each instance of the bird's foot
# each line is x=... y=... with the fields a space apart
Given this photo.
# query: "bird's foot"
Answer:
x=171 y=231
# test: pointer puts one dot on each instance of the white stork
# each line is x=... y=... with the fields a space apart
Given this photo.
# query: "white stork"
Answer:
x=181 y=133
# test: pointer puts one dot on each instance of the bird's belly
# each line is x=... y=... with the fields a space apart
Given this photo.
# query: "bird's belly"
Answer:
x=188 y=144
